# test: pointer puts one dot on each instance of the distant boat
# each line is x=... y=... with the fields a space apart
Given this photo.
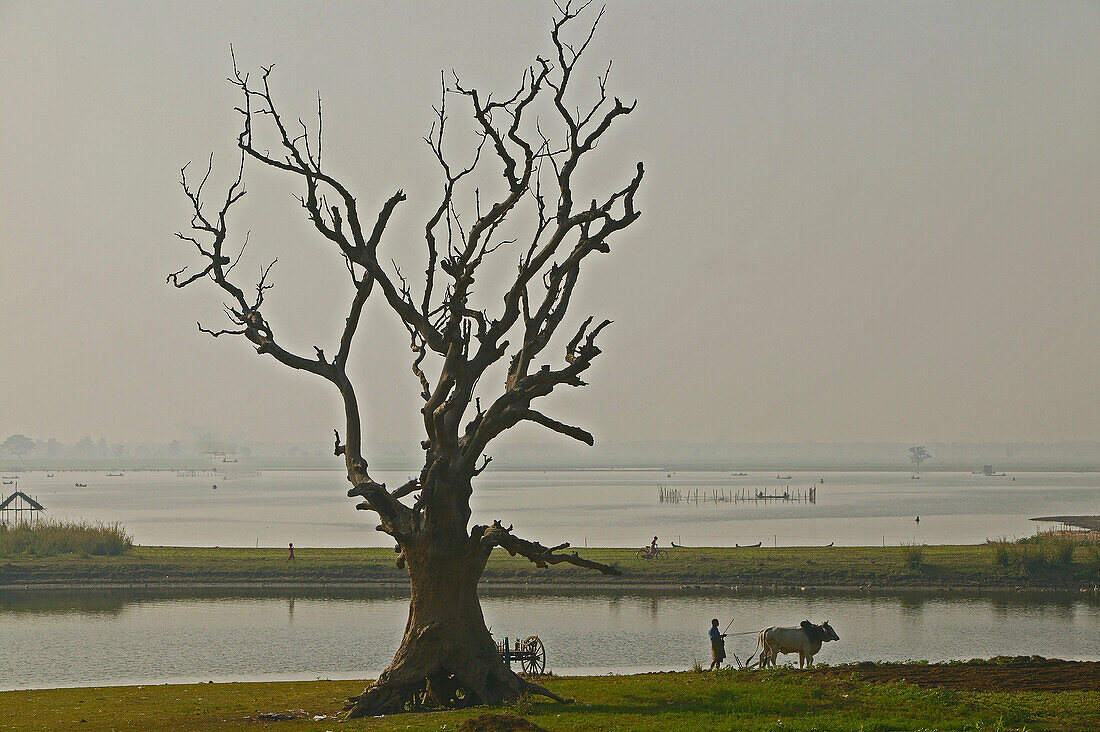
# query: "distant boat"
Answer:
x=49 y=475
x=762 y=494
x=914 y=477
x=8 y=482
x=748 y=546
x=783 y=477
x=739 y=475
x=114 y=475
x=11 y=477
x=214 y=487
x=227 y=459
x=81 y=485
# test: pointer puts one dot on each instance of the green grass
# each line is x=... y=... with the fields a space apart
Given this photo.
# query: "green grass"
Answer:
x=912 y=556
x=686 y=702
x=1040 y=554
x=940 y=566
x=50 y=538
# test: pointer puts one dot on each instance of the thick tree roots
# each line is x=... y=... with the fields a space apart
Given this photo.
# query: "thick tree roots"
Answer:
x=404 y=689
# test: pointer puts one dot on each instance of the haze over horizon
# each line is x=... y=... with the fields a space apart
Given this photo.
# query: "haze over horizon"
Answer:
x=861 y=221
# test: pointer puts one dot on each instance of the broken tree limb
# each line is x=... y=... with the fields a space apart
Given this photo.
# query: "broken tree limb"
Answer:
x=541 y=556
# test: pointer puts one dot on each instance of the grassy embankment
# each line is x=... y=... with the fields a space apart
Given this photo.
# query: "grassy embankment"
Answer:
x=836 y=699
x=979 y=566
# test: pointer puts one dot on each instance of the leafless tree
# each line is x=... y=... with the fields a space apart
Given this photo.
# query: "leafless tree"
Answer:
x=447 y=655
x=917 y=455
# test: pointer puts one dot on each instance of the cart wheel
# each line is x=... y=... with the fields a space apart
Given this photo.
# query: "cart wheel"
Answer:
x=534 y=660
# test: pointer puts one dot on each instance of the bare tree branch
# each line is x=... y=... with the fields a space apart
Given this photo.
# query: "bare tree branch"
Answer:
x=542 y=556
x=453 y=342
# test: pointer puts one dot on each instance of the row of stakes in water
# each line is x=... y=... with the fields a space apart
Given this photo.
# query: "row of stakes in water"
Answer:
x=717 y=495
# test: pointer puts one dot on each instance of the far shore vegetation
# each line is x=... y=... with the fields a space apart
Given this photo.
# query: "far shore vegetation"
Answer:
x=997 y=695
x=49 y=538
x=102 y=554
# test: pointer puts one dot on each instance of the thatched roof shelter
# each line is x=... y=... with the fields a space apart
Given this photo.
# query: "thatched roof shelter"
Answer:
x=16 y=504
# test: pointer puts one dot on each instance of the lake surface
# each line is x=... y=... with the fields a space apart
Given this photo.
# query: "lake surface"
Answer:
x=600 y=508
x=99 y=637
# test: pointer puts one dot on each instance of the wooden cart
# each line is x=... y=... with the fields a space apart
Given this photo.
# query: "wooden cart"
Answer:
x=530 y=653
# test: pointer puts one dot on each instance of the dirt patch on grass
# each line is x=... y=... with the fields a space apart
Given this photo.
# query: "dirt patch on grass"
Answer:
x=1015 y=673
x=498 y=723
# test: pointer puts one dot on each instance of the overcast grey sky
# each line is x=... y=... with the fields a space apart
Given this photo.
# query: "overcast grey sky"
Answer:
x=861 y=220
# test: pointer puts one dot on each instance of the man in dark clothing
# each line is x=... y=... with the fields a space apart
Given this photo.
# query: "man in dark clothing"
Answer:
x=717 y=645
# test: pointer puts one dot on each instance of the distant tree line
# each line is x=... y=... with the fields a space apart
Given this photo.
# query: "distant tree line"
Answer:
x=21 y=447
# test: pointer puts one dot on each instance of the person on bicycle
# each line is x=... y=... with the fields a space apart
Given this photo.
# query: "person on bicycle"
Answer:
x=653 y=547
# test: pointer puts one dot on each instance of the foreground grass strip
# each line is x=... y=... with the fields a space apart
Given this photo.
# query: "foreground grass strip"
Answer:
x=940 y=566
x=686 y=702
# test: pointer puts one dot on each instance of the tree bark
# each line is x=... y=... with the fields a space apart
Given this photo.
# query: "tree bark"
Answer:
x=447 y=656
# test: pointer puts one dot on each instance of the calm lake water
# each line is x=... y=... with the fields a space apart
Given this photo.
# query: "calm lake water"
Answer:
x=600 y=508
x=97 y=637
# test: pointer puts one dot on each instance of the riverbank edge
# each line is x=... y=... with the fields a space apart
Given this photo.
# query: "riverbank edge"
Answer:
x=941 y=568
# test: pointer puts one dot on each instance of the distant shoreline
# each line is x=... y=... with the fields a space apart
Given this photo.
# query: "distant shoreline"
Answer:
x=942 y=568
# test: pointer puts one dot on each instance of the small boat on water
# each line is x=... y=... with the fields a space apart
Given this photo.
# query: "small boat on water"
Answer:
x=782 y=477
x=763 y=495
x=748 y=546
x=9 y=482
x=81 y=485
x=49 y=475
x=739 y=475
x=114 y=475
x=11 y=477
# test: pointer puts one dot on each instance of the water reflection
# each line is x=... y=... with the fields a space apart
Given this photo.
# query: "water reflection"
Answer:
x=113 y=601
x=157 y=635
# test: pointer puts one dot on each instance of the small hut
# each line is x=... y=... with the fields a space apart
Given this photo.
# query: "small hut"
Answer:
x=19 y=508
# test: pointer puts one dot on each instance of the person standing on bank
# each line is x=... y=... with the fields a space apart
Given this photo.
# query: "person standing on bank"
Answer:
x=290 y=557
x=717 y=645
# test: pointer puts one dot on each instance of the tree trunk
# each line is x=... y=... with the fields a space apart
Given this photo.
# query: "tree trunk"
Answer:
x=447 y=656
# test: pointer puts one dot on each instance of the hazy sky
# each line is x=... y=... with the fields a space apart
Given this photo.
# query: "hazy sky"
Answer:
x=861 y=220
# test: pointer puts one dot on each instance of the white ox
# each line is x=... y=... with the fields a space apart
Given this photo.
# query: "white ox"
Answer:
x=804 y=640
